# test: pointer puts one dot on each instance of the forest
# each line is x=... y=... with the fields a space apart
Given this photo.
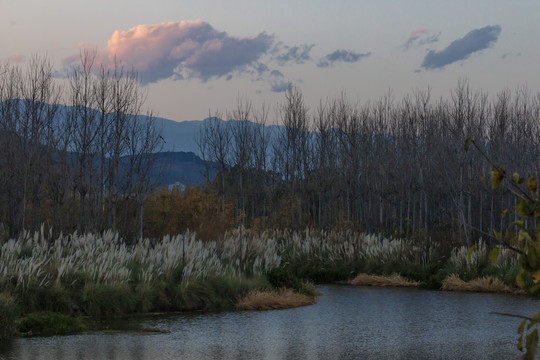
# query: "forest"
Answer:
x=77 y=154
x=392 y=167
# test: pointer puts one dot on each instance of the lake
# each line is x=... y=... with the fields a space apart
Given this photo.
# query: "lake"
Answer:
x=346 y=323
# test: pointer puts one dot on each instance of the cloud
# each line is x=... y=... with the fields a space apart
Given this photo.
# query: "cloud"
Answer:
x=260 y=68
x=460 y=49
x=278 y=82
x=420 y=38
x=299 y=54
x=15 y=59
x=341 y=56
x=280 y=85
x=182 y=50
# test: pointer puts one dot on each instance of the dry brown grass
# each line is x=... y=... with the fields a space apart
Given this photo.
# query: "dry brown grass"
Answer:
x=393 y=280
x=485 y=284
x=275 y=299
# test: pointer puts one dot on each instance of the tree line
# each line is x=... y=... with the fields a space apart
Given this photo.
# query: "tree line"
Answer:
x=75 y=152
x=397 y=167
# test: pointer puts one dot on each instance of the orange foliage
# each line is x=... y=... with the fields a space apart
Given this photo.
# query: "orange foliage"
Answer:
x=174 y=212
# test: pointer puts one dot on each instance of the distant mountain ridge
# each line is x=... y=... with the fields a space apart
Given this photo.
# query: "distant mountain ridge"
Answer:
x=178 y=158
x=179 y=135
x=180 y=167
x=182 y=135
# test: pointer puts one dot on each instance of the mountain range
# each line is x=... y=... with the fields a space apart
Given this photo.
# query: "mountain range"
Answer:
x=178 y=160
x=179 y=136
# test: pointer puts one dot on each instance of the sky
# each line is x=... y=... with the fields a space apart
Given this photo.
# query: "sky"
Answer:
x=195 y=58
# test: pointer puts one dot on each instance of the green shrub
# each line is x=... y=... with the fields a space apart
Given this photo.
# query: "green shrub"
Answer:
x=8 y=314
x=308 y=289
x=74 y=281
x=55 y=299
x=107 y=299
x=47 y=323
x=214 y=292
x=284 y=277
x=151 y=297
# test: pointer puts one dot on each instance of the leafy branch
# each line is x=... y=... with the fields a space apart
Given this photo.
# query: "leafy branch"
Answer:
x=520 y=237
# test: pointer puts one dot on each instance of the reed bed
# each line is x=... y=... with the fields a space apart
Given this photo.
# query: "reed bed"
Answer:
x=106 y=259
x=36 y=260
x=484 y=284
x=461 y=262
x=394 y=280
x=101 y=274
x=8 y=313
x=274 y=300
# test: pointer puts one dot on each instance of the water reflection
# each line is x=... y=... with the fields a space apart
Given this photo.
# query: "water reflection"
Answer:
x=346 y=323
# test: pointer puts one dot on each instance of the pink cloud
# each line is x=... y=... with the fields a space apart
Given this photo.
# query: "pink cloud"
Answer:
x=16 y=59
x=420 y=38
x=415 y=34
x=182 y=49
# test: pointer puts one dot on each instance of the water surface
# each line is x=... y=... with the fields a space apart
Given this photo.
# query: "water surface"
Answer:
x=346 y=323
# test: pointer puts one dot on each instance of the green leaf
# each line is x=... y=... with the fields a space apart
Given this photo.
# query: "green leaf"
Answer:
x=519 y=223
x=498 y=235
x=536 y=212
x=494 y=254
x=522 y=327
x=533 y=289
x=470 y=252
x=536 y=276
x=532 y=260
x=519 y=278
x=468 y=144
x=532 y=184
x=524 y=235
x=515 y=177
x=497 y=175
x=531 y=345
x=522 y=209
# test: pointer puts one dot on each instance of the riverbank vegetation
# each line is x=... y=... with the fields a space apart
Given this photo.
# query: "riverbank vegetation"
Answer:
x=394 y=280
x=485 y=284
x=274 y=300
x=100 y=275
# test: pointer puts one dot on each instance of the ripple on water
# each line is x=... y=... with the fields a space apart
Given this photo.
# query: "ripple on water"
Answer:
x=346 y=323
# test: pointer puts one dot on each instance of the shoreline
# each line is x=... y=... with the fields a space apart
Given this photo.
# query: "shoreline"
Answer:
x=255 y=300
x=99 y=275
x=451 y=283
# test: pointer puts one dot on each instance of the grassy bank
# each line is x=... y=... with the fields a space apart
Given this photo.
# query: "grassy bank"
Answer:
x=394 y=280
x=275 y=299
x=99 y=275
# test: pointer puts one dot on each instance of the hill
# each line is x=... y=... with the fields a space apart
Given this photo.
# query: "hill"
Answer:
x=179 y=167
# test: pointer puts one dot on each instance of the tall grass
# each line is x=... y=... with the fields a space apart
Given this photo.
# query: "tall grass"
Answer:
x=105 y=259
x=477 y=264
x=36 y=260
x=100 y=274
x=8 y=314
